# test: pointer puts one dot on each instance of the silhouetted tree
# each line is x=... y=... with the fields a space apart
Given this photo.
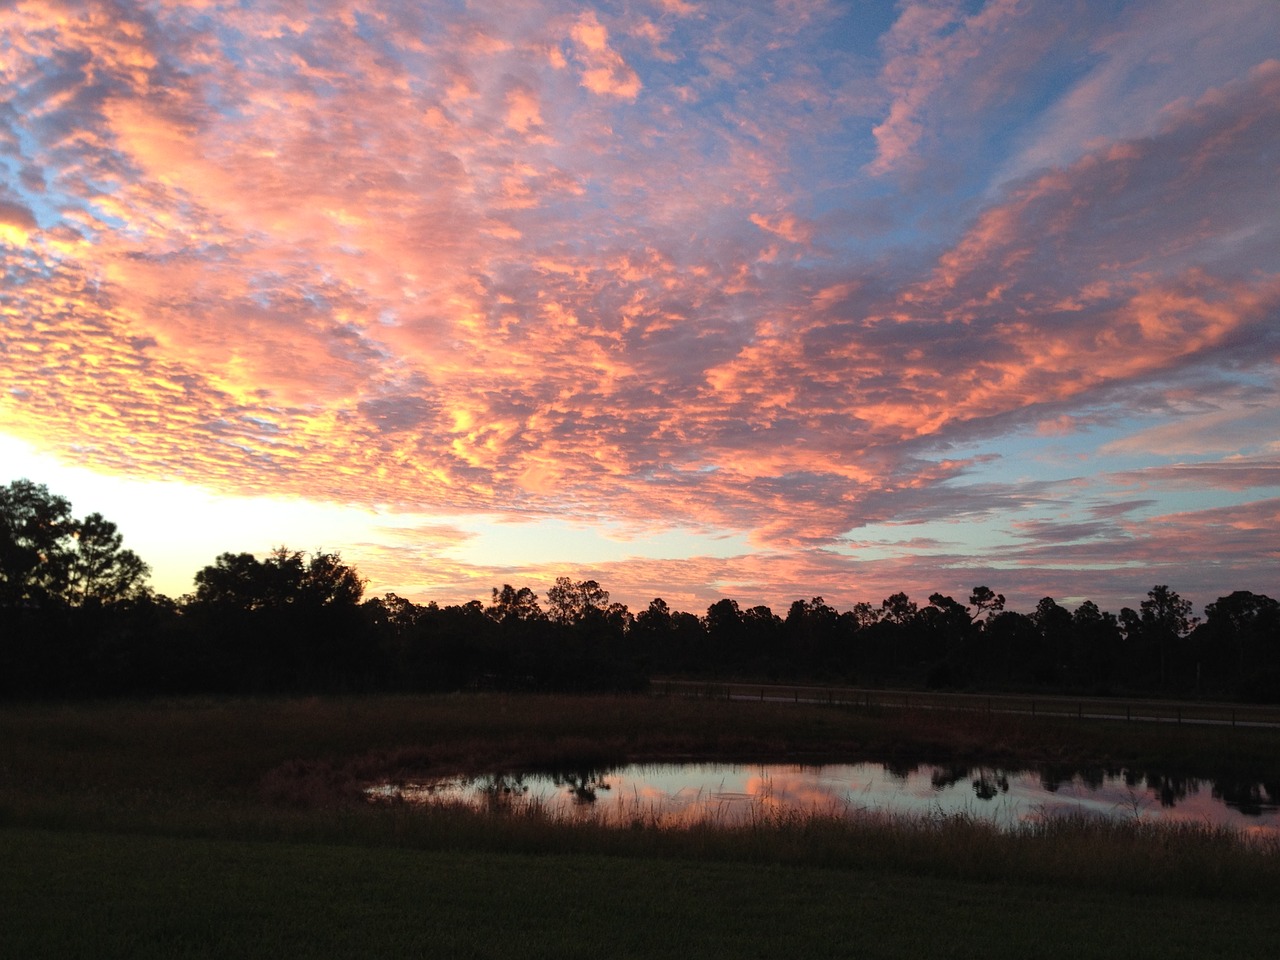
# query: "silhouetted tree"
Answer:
x=35 y=532
x=1057 y=641
x=812 y=629
x=76 y=619
x=570 y=602
x=284 y=578
x=100 y=570
x=944 y=627
x=1096 y=634
x=1165 y=619
x=669 y=641
x=69 y=598
x=47 y=556
x=1240 y=639
x=986 y=602
x=512 y=604
x=723 y=623
x=898 y=609
x=391 y=612
x=1014 y=641
x=949 y=613
x=655 y=618
x=289 y=622
x=864 y=615
x=763 y=641
x=392 y=624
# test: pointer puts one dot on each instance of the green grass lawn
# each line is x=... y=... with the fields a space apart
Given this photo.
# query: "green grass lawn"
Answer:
x=112 y=895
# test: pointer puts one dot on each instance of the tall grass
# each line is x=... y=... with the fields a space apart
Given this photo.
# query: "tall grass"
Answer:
x=1078 y=850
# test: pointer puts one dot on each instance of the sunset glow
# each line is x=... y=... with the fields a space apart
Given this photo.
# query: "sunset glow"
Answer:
x=698 y=299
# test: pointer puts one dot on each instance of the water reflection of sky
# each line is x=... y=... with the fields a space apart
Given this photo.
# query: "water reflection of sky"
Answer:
x=674 y=793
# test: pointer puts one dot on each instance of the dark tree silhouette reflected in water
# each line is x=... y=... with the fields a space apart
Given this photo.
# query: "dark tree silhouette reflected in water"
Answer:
x=581 y=785
x=988 y=782
x=500 y=791
x=1251 y=799
x=911 y=789
x=900 y=769
x=988 y=785
x=1171 y=790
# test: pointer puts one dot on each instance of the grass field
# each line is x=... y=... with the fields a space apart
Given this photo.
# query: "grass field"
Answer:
x=109 y=895
x=221 y=828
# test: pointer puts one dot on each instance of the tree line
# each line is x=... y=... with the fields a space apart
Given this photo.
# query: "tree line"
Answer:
x=77 y=619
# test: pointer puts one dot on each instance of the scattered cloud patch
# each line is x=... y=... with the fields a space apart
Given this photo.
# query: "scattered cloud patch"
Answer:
x=691 y=266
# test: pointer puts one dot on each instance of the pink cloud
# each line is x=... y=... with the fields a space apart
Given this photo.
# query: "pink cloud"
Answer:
x=786 y=226
x=604 y=72
x=928 y=46
x=523 y=110
x=1231 y=474
x=457 y=262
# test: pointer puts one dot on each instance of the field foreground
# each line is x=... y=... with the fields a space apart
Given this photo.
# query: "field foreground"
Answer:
x=237 y=828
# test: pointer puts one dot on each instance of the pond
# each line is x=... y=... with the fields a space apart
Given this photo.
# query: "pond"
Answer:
x=672 y=794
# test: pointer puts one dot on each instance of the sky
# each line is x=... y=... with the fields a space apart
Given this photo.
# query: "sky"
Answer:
x=698 y=299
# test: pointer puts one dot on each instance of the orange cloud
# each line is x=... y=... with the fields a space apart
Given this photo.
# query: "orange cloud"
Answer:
x=453 y=261
x=604 y=72
x=523 y=110
x=790 y=228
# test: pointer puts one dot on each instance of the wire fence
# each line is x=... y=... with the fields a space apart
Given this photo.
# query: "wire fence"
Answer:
x=1082 y=708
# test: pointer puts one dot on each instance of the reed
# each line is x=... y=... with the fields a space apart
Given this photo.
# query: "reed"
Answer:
x=1130 y=856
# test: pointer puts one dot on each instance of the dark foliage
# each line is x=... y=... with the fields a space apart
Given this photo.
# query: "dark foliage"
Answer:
x=76 y=621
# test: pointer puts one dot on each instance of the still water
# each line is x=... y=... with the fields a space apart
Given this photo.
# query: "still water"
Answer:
x=683 y=793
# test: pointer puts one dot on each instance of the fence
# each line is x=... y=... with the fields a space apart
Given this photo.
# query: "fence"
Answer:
x=1083 y=708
